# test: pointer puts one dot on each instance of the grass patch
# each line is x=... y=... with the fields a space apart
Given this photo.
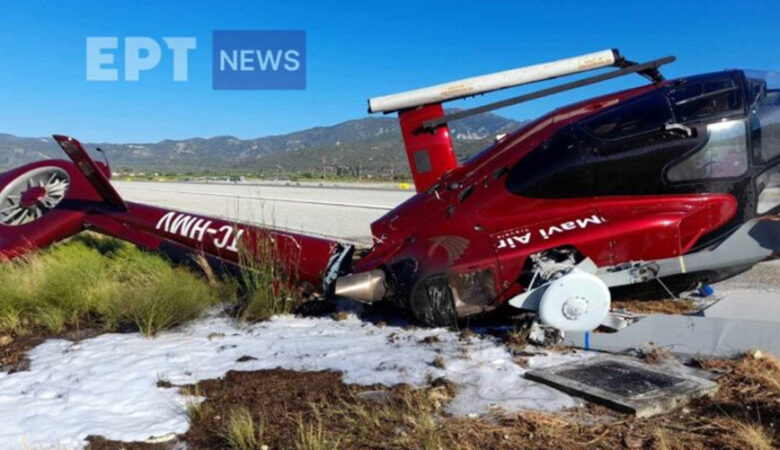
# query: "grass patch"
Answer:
x=91 y=281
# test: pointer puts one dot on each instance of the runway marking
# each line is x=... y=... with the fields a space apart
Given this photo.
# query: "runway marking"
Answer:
x=271 y=199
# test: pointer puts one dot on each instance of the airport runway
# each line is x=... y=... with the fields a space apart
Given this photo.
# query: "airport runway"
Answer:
x=335 y=211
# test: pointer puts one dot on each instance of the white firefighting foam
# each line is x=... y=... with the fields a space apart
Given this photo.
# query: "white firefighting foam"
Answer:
x=107 y=385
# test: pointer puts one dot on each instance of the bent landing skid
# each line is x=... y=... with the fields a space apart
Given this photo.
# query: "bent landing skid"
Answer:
x=735 y=324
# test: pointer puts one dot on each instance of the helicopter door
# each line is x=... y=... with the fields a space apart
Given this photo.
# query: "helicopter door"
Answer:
x=768 y=184
x=765 y=121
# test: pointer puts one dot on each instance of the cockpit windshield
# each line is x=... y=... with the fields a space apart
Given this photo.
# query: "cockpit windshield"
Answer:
x=764 y=91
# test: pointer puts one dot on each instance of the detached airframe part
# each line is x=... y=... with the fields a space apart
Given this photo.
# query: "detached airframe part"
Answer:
x=627 y=385
x=365 y=287
x=338 y=265
x=92 y=173
x=577 y=301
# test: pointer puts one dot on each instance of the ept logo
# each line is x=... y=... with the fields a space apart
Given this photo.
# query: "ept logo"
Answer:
x=259 y=59
x=140 y=54
x=241 y=59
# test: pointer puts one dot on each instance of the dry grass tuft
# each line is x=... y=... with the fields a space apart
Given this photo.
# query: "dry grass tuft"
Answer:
x=241 y=432
x=408 y=418
x=670 y=306
x=517 y=339
x=738 y=434
x=202 y=262
x=269 y=288
x=339 y=316
x=197 y=408
x=662 y=440
x=753 y=378
x=312 y=435
x=654 y=354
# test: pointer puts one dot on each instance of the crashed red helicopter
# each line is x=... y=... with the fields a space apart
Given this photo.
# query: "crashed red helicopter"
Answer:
x=649 y=190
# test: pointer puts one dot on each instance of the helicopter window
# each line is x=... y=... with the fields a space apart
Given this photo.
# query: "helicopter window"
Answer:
x=555 y=169
x=643 y=114
x=764 y=95
x=768 y=184
x=768 y=114
x=705 y=97
x=724 y=155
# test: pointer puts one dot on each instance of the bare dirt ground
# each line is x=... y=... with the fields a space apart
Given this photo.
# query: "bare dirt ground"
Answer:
x=316 y=410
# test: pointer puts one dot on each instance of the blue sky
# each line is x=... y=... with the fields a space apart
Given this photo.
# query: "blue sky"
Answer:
x=356 y=49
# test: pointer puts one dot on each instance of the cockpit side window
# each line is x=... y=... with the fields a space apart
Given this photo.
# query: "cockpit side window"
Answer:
x=705 y=97
x=765 y=113
x=646 y=113
x=724 y=155
x=555 y=169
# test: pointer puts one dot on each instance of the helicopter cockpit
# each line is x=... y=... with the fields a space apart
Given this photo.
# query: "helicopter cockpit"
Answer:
x=694 y=135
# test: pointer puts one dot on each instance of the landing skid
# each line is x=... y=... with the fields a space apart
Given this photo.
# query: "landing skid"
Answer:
x=755 y=241
x=733 y=325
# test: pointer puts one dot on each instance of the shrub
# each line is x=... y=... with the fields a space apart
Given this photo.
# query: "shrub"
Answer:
x=168 y=299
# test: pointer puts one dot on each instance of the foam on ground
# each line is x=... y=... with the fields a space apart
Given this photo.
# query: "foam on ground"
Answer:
x=107 y=385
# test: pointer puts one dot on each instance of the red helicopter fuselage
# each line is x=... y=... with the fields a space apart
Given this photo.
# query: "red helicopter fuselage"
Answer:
x=470 y=226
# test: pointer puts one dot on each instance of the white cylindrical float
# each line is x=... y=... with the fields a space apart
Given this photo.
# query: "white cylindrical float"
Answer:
x=487 y=83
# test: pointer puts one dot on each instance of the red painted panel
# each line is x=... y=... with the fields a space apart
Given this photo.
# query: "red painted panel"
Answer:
x=430 y=153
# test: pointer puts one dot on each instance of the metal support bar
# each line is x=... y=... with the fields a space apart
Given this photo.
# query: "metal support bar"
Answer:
x=638 y=68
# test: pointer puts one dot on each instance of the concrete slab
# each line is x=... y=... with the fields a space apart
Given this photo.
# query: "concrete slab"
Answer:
x=626 y=385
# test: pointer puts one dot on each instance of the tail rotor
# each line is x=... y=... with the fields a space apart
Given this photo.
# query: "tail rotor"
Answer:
x=33 y=194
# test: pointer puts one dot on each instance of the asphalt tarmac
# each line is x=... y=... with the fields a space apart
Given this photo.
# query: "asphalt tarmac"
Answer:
x=335 y=211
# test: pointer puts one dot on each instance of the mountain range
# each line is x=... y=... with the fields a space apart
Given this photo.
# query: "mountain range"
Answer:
x=368 y=145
